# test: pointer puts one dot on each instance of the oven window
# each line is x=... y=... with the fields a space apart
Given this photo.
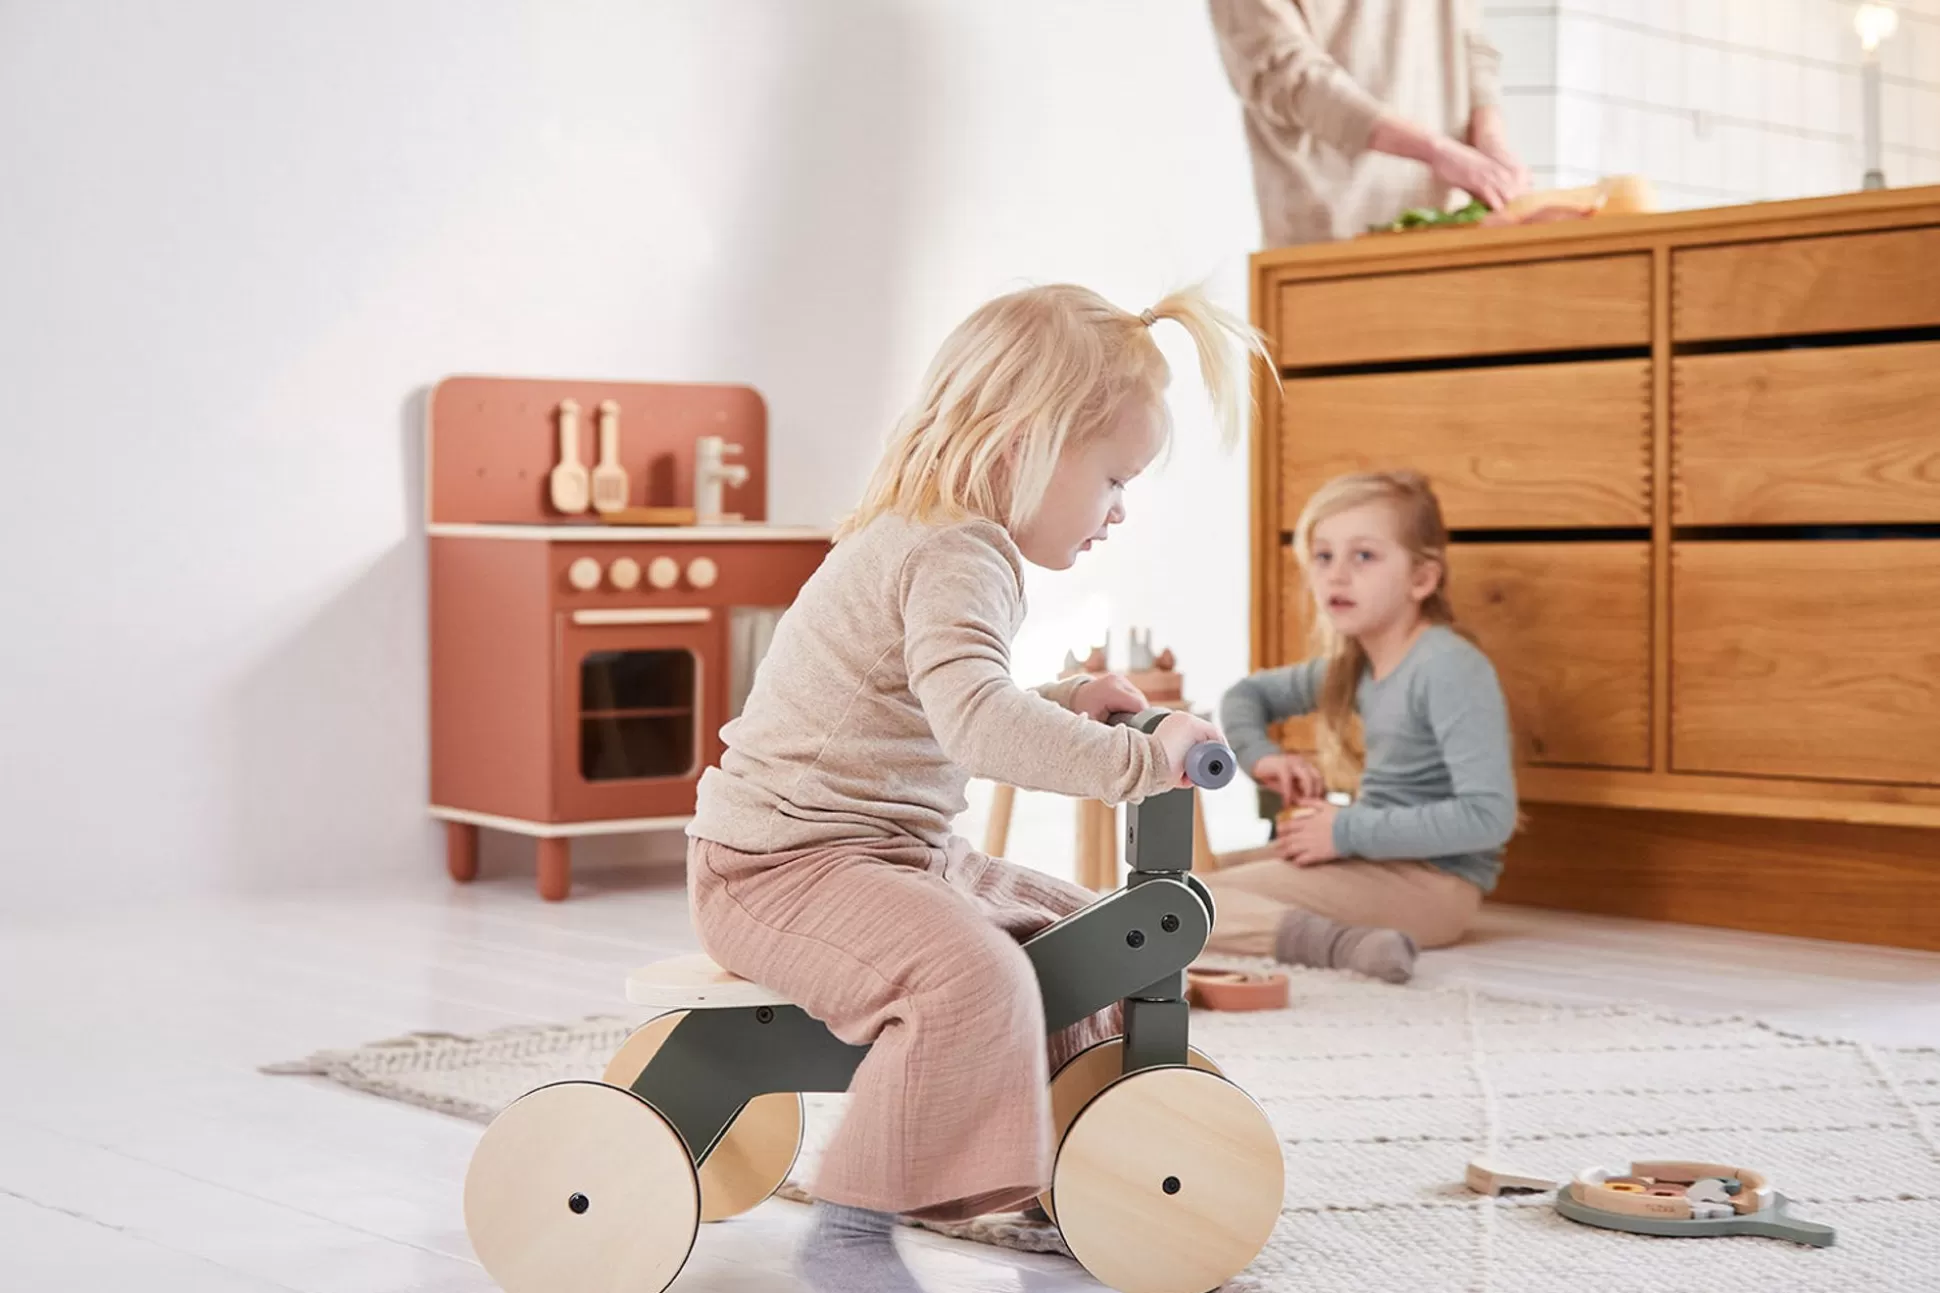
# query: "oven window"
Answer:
x=637 y=714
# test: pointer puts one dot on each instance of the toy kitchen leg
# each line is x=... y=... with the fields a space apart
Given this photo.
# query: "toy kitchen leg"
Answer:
x=461 y=851
x=555 y=867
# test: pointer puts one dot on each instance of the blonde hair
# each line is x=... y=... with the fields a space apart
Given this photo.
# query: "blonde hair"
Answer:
x=1029 y=376
x=1341 y=752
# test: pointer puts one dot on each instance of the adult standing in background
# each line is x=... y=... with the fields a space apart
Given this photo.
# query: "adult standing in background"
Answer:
x=1357 y=110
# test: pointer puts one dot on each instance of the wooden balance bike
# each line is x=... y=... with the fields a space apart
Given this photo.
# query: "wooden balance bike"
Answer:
x=1168 y=1178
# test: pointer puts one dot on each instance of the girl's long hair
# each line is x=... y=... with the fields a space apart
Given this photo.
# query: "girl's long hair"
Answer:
x=1027 y=377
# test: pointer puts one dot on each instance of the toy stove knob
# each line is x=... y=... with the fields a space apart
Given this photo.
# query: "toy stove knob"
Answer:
x=624 y=573
x=663 y=572
x=584 y=574
x=702 y=572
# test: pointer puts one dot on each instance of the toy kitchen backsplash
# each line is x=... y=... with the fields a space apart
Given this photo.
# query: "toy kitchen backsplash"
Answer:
x=603 y=582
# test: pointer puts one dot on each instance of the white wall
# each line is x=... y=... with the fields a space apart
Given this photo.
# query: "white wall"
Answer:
x=1717 y=101
x=238 y=240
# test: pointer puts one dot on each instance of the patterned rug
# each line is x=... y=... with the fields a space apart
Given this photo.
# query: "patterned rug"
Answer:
x=1381 y=1095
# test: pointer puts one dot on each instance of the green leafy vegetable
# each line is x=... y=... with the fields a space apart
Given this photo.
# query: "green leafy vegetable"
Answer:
x=1427 y=218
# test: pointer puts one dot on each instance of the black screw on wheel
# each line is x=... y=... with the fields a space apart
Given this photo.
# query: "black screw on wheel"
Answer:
x=1135 y=939
x=1171 y=1185
x=764 y=1015
x=579 y=1203
x=1170 y=924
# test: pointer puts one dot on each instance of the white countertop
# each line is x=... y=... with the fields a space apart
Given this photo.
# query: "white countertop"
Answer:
x=751 y=533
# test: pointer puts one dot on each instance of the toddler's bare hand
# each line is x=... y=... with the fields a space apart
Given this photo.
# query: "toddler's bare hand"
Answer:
x=1105 y=695
x=1292 y=777
x=1177 y=734
x=1308 y=838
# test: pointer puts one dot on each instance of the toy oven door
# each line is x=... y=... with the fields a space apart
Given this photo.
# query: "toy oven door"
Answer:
x=641 y=695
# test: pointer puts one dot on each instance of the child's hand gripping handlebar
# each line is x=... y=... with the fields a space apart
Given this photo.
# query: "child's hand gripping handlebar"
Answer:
x=1207 y=762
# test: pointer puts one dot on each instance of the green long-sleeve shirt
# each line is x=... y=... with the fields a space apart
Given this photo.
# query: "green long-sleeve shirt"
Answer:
x=1439 y=786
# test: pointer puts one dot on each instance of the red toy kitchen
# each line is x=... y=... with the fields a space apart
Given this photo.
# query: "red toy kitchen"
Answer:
x=597 y=611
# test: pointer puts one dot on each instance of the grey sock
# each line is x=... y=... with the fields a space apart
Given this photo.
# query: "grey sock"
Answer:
x=1306 y=939
x=853 y=1250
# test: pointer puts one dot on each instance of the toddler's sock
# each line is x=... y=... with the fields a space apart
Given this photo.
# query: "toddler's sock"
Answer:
x=1306 y=939
x=853 y=1250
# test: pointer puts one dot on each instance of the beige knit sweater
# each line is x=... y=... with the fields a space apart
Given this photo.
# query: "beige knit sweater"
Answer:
x=1315 y=75
x=887 y=687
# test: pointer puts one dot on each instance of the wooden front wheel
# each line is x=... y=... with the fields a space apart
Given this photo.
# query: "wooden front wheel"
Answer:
x=1080 y=1078
x=1169 y=1181
x=580 y=1187
x=757 y=1150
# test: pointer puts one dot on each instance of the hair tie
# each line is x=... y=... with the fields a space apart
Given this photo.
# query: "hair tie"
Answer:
x=1147 y=318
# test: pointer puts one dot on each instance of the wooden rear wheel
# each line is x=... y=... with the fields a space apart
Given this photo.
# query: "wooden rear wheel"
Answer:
x=580 y=1187
x=1082 y=1077
x=757 y=1150
x=1169 y=1181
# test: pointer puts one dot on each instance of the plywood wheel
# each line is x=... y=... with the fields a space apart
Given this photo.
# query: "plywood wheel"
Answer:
x=757 y=1150
x=1169 y=1181
x=1083 y=1076
x=580 y=1187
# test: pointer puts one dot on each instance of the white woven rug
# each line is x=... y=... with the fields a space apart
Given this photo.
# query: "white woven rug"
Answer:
x=1381 y=1096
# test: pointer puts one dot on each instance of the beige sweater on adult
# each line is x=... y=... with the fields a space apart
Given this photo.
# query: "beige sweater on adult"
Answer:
x=1315 y=75
x=887 y=687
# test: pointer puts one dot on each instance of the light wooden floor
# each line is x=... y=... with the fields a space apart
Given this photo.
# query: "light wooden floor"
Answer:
x=137 y=1143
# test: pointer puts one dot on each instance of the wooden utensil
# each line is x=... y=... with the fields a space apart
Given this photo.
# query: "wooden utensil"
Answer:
x=609 y=478
x=570 y=487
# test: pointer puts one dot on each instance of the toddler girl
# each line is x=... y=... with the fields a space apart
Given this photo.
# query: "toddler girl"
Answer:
x=1407 y=707
x=821 y=862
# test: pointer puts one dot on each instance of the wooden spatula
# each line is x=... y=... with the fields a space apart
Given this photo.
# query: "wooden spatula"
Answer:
x=569 y=484
x=609 y=478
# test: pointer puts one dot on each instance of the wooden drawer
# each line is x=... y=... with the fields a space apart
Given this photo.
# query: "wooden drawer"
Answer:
x=1816 y=660
x=1581 y=304
x=1837 y=283
x=1803 y=437
x=1519 y=447
x=1568 y=628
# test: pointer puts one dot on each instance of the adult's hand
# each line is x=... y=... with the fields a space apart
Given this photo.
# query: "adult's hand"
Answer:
x=1489 y=137
x=1488 y=181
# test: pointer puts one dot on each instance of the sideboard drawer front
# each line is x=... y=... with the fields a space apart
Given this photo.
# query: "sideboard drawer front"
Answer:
x=1848 y=434
x=1818 y=660
x=1794 y=286
x=1590 y=303
x=1563 y=445
x=1568 y=628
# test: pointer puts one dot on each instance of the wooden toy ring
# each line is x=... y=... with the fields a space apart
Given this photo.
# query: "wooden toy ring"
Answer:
x=1236 y=989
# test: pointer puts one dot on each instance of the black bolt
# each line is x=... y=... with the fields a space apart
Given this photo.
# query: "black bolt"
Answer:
x=764 y=1015
x=1135 y=939
x=1170 y=924
x=1171 y=1185
x=579 y=1203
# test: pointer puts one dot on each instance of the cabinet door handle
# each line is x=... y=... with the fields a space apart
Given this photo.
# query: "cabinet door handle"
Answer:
x=645 y=615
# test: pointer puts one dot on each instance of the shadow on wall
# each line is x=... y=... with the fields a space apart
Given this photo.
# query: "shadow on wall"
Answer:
x=339 y=703
x=825 y=233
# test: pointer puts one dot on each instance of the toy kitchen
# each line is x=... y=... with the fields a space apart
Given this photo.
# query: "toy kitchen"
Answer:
x=603 y=582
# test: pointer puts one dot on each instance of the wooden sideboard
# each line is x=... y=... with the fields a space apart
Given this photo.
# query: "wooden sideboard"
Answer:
x=1691 y=463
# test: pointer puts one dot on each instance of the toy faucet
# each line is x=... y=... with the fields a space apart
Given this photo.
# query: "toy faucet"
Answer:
x=712 y=471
